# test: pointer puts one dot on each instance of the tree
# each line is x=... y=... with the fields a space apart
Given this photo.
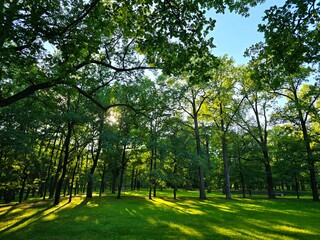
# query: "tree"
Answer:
x=301 y=104
x=192 y=100
x=287 y=149
x=292 y=33
x=223 y=107
x=256 y=123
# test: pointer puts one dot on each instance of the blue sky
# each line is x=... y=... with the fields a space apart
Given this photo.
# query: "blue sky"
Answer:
x=233 y=33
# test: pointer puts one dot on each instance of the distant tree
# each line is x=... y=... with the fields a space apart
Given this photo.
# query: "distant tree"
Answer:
x=288 y=151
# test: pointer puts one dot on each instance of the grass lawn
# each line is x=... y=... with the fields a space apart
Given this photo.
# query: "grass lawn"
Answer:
x=134 y=216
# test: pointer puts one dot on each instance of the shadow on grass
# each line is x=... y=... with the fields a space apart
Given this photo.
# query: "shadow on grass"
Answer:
x=136 y=217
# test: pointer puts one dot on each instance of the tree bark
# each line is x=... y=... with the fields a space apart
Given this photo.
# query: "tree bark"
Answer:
x=269 y=179
x=70 y=125
x=102 y=182
x=23 y=184
x=202 y=189
x=225 y=166
x=122 y=169
x=313 y=175
x=95 y=157
x=241 y=177
x=72 y=178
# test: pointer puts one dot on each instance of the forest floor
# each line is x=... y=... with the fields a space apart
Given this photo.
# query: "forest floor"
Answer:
x=134 y=216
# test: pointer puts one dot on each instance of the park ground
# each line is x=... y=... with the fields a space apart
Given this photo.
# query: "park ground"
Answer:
x=134 y=216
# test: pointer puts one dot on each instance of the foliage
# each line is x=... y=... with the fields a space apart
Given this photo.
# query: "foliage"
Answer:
x=292 y=33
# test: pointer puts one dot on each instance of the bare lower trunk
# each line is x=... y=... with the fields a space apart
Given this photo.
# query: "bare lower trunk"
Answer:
x=226 y=167
x=269 y=179
x=122 y=169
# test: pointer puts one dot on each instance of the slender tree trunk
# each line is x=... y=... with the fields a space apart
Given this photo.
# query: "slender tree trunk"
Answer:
x=72 y=178
x=102 y=182
x=202 y=189
x=50 y=165
x=225 y=166
x=54 y=179
x=95 y=157
x=151 y=178
x=135 y=186
x=175 y=171
x=70 y=125
x=132 y=178
x=241 y=177
x=122 y=169
x=155 y=168
x=297 y=185
x=23 y=184
x=269 y=179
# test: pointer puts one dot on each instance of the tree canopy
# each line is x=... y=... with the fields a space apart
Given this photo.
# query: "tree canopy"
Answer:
x=127 y=94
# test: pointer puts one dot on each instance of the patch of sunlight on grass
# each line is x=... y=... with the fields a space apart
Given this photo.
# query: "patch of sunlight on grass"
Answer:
x=251 y=207
x=225 y=231
x=221 y=207
x=50 y=217
x=31 y=215
x=4 y=210
x=91 y=204
x=292 y=229
x=240 y=233
x=225 y=208
x=82 y=218
x=176 y=207
x=281 y=228
x=20 y=219
x=186 y=230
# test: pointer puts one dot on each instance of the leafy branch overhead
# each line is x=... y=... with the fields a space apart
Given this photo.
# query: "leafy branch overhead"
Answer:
x=42 y=43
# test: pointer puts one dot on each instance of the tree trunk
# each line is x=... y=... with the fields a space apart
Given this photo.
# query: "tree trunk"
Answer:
x=270 y=188
x=175 y=171
x=54 y=179
x=115 y=173
x=202 y=190
x=313 y=175
x=225 y=165
x=70 y=125
x=132 y=178
x=241 y=177
x=23 y=184
x=50 y=166
x=72 y=178
x=122 y=169
x=95 y=157
x=297 y=186
x=102 y=182
x=151 y=178
x=155 y=168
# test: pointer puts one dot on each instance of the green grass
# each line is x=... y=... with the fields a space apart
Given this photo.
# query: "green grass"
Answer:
x=136 y=217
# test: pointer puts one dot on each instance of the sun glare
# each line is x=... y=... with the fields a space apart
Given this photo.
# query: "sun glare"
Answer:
x=112 y=118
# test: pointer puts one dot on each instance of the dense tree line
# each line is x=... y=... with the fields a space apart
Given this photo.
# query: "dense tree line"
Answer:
x=81 y=113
